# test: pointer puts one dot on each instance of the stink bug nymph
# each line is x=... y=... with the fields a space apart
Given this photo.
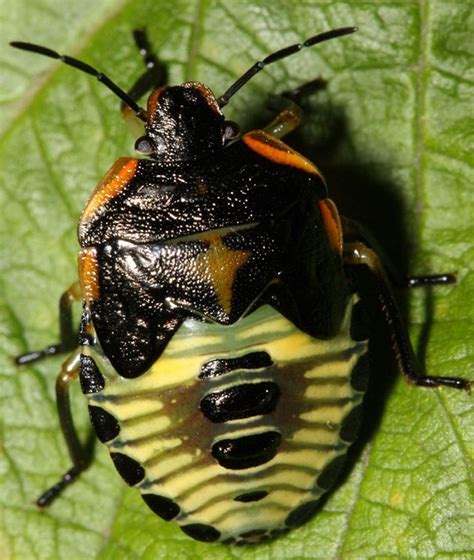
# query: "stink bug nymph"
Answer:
x=223 y=340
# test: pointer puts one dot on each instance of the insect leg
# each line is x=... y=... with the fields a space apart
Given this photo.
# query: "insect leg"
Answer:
x=154 y=77
x=79 y=455
x=353 y=232
x=368 y=271
x=68 y=331
x=431 y=280
x=286 y=121
x=287 y=103
x=155 y=74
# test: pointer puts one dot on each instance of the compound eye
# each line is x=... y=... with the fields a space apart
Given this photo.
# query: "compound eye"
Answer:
x=231 y=130
x=144 y=146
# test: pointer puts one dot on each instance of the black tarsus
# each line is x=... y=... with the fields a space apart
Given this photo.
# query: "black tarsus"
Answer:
x=35 y=355
x=318 y=84
x=279 y=55
x=52 y=493
x=431 y=280
x=67 y=330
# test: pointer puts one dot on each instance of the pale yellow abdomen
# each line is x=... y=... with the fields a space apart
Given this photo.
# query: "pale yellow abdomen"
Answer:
x=235 y=431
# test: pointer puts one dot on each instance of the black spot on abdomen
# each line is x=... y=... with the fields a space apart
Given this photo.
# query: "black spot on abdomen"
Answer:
x=129 y=469
x=240 y=401
x=166 y=508
x=254 y=360
x=360 y=373
x=201 y=532
x=105 y=425
x=251 y=496
x=330 y=473
x=359 y=323
x=351 y=423
x=301 y=514
x=246 y=451
x=90 y=377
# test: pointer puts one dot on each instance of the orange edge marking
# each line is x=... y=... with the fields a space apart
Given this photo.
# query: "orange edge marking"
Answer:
x=117 y=178
x=332 y=224
x=275 y=150
x=89 y=274
x=153 y=102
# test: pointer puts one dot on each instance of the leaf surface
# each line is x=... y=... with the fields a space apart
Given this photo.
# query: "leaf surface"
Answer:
x=394 y=134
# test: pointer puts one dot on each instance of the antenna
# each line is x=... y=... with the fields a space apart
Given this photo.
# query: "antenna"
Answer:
x=279 y=55
x=108 y=83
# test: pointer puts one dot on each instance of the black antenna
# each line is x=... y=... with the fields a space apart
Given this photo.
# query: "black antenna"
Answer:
x=283 y=53
x=31 y=47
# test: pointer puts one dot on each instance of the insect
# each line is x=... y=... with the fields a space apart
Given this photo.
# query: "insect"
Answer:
x=224 y=335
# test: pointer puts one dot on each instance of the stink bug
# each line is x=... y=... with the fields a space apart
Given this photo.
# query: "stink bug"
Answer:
x=223 y=341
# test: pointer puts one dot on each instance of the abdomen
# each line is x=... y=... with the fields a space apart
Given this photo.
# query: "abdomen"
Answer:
x=235 y=431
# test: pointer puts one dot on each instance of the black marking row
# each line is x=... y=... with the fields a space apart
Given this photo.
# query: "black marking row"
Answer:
x=237 y=402
x=132 y=472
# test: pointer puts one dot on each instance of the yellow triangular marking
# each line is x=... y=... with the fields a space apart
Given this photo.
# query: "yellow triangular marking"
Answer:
x=219 y=266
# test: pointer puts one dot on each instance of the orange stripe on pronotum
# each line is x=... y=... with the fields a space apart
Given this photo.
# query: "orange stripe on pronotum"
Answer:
x=115 y=181
x=277 y=151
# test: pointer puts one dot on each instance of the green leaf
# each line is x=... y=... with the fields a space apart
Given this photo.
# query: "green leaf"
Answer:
x=393 y=133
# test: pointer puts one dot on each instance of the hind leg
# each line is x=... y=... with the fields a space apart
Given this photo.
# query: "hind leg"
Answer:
x=78 y=453
x=368 y=271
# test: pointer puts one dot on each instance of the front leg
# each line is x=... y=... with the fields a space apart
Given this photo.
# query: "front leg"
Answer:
x=289 y=110
x=366 y=266
x=68 y=331
x=154 y=77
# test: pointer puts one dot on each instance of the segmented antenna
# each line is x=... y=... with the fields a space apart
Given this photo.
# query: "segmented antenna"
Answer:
x=102 y=78
x=279 y=55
